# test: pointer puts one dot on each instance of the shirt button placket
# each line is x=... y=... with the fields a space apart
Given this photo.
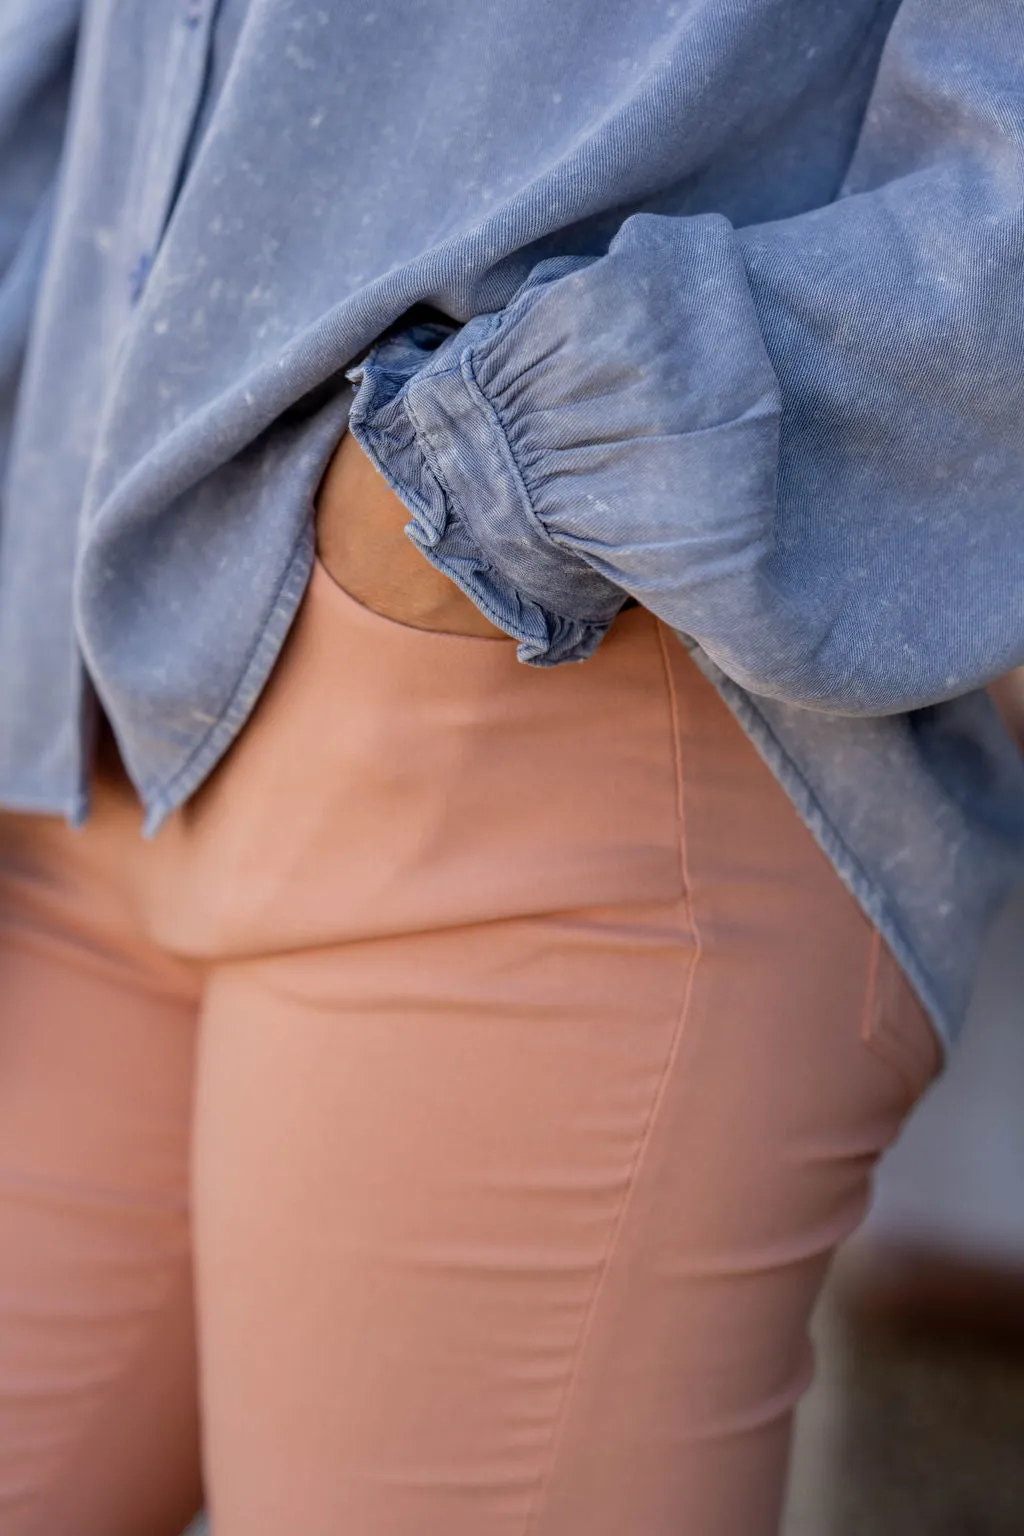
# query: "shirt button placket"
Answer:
x=183 y=85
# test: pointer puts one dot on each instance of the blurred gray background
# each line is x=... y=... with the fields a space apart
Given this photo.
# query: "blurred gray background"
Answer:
x=925 y=1437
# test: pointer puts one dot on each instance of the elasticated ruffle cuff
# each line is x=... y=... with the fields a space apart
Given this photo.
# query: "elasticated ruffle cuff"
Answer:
x=420 y=416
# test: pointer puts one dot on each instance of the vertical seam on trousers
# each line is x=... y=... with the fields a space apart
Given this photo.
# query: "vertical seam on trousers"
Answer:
x=891 y=1052
x=665 y=637
x=869 y=991
x=562 y=1417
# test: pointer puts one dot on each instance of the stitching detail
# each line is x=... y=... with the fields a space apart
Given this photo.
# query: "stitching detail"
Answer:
x=676 y=722
x=654 y=1111
x=888 y=1047
x=872 y=898
x=871 y=987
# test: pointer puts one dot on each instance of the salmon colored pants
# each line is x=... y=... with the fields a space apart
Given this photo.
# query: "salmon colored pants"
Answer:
x=442 y=1127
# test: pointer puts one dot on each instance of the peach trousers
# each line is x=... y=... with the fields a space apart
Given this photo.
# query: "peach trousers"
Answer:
x=442 y=1127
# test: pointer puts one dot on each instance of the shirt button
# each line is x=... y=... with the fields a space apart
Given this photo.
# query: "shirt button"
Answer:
x=138 y=276
x=193 y=12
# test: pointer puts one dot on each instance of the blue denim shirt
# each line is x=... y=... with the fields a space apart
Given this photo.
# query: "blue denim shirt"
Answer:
x=713 y=303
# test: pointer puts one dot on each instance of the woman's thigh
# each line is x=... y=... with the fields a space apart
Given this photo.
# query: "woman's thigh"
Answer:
x=98 y=1421
x=514 y=1225
x=518 y=1229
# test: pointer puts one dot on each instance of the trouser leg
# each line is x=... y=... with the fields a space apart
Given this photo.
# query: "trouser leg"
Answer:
x=98 y=1422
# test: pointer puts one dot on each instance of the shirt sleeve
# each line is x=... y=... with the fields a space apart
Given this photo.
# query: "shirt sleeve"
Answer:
x=799 y=444
x=36 y=45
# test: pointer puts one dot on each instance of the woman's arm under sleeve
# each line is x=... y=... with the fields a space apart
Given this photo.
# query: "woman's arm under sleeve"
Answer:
x=801 y=444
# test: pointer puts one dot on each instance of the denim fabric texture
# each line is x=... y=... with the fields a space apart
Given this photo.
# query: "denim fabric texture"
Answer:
x=713 y=304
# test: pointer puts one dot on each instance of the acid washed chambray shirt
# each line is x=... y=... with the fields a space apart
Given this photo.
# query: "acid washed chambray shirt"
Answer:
x=715 y=303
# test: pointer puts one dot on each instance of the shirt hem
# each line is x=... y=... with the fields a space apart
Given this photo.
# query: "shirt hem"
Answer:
x=74 y=811
x=163 y=802
x=847 y=866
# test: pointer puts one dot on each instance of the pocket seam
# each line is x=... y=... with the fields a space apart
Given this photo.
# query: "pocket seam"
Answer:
x=364 y=611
